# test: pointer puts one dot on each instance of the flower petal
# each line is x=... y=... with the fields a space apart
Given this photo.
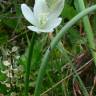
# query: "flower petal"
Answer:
x=28 y=14
x=56 y=10
x=40 y=7
x=53 y=23
x=38 y=30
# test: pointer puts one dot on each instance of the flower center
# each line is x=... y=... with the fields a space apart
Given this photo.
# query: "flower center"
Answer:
x=43 y=20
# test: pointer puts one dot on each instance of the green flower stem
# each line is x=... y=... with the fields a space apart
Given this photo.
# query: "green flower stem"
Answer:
x=31 y=47
x=88 y=29
x=53 y=45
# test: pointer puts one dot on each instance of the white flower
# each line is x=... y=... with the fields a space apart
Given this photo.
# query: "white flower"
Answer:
x=9 y=74
x=6 y=63
x=45 y=15
x=14 y=49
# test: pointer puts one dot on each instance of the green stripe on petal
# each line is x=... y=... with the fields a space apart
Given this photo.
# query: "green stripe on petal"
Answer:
x=56 y=8
x=40 y=7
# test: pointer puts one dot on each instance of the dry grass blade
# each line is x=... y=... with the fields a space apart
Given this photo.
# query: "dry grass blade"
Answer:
x=79 y=72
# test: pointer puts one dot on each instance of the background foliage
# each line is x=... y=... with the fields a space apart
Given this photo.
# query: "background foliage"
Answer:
x=15 y=39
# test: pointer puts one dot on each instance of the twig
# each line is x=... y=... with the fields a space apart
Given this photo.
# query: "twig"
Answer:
x=79 y=72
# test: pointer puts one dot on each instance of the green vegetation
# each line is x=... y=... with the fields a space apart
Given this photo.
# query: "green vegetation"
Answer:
x=59 y=64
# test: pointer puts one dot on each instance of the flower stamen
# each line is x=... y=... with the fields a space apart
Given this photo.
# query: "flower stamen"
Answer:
x=43 y=19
